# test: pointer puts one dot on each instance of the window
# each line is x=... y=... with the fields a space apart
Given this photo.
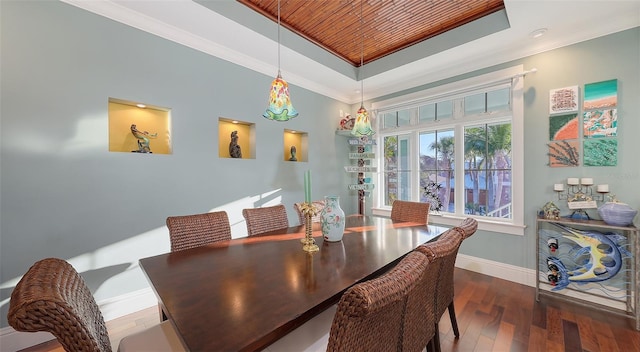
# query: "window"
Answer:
x=464 y=136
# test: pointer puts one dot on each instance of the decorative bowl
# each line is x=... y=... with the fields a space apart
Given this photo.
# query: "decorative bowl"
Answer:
x=617 y=214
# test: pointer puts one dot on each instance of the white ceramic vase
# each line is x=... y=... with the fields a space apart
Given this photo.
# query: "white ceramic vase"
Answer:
x=332 y=219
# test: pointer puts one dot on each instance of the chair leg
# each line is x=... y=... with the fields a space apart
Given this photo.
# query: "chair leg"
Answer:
x=454 y=322
x=436 y=339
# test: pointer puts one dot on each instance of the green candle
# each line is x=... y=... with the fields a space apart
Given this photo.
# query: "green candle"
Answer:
x=307 y=186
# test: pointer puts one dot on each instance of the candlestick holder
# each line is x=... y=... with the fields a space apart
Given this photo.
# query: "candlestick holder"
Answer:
x=309 y=244
x=579 y=195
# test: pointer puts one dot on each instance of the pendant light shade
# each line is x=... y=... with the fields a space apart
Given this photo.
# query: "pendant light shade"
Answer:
x=362 y=127
x=280 y=107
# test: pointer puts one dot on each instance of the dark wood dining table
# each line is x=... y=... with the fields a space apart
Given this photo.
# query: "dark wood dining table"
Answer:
x=244 y=294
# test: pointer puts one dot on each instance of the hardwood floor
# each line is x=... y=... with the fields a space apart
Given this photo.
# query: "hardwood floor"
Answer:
x=492 y=314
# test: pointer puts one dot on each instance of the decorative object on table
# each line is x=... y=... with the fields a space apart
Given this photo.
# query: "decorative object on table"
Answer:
x=346 y=123
x=616 y=213
x=234 y=147
x=293 y=153
x=563 y=153
x=143 y=139
x=563 y=100
x=431 y=191
x=551 y=211
x=332 y=219
x=309 y=244
x=280 y=107
x=579 y=195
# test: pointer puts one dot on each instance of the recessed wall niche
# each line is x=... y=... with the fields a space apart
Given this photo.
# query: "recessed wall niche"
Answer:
x=139 y=128
x=297 y=139
x=237 y=138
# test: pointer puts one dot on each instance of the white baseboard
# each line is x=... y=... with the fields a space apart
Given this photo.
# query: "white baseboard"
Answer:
x=503 y=271
x=116 y=307
x=112 y=308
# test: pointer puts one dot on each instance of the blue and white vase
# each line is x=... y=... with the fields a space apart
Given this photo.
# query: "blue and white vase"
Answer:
x=332 y=219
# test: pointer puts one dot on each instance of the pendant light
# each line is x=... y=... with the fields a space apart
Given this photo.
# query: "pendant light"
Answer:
x=362 y=126
x=280 y=107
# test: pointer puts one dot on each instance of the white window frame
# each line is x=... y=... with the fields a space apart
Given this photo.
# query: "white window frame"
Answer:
x=515 y=75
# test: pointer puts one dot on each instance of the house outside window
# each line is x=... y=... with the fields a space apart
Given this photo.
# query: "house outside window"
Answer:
x=464 y=142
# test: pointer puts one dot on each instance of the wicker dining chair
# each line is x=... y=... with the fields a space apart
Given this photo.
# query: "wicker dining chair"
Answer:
x=188 y=231
x=370 y=315
x=261 y=220
x=53 y=297
x=402 y=210
x=318 y=205
x=442 y=255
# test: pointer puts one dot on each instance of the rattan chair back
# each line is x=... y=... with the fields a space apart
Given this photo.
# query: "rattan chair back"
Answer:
x=442 y=258
x=402 y=210
x=188 y=231
x=53 y=297
x=261 y=220
x=318 y=205
x=370 y=315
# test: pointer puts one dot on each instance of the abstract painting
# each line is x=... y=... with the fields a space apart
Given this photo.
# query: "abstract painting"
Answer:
x=601 y=95
x=563 y=127
x=563 y=100
x=600 y=152
x=564 y=153
x=600 y=123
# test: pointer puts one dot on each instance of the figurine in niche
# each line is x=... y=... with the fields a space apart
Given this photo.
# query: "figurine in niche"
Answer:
x=143 y=139
x=234 y=147
x=293 y=154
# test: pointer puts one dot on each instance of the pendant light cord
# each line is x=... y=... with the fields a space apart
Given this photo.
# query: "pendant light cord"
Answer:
x=278 y=37
x=361 y=57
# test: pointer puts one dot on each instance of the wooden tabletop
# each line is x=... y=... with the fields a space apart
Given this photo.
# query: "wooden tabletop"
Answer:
x=244 y=294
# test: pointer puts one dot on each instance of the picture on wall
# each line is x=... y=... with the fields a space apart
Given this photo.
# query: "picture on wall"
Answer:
x=563 y=127
x=564 y=153
x=600 y=152
x=600 y=123
x=563 y=100
x=601 y=95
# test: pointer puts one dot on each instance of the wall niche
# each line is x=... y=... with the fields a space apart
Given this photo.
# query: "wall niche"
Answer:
x=236 y=139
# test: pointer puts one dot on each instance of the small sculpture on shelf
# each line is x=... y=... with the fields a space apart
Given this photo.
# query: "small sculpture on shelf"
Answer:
x=143 y=139
x=293 y=153
x=234 y=147
x=551 y=211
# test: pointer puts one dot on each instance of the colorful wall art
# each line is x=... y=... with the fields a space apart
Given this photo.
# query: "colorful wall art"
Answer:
x=600 y=123
x=564 y=153
x=600 y=152
x=563 y=127
x=563 y=100
x=601 y=95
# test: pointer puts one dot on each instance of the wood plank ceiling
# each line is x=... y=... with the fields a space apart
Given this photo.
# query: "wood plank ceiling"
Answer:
x=387 y=26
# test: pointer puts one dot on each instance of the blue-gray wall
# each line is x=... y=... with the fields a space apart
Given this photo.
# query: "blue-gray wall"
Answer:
x=62 y=194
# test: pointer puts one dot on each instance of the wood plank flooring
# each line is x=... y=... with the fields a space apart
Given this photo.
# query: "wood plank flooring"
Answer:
x=493 y=315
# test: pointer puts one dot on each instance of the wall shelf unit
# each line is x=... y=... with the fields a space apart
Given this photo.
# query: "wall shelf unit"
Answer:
x=589 y=263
